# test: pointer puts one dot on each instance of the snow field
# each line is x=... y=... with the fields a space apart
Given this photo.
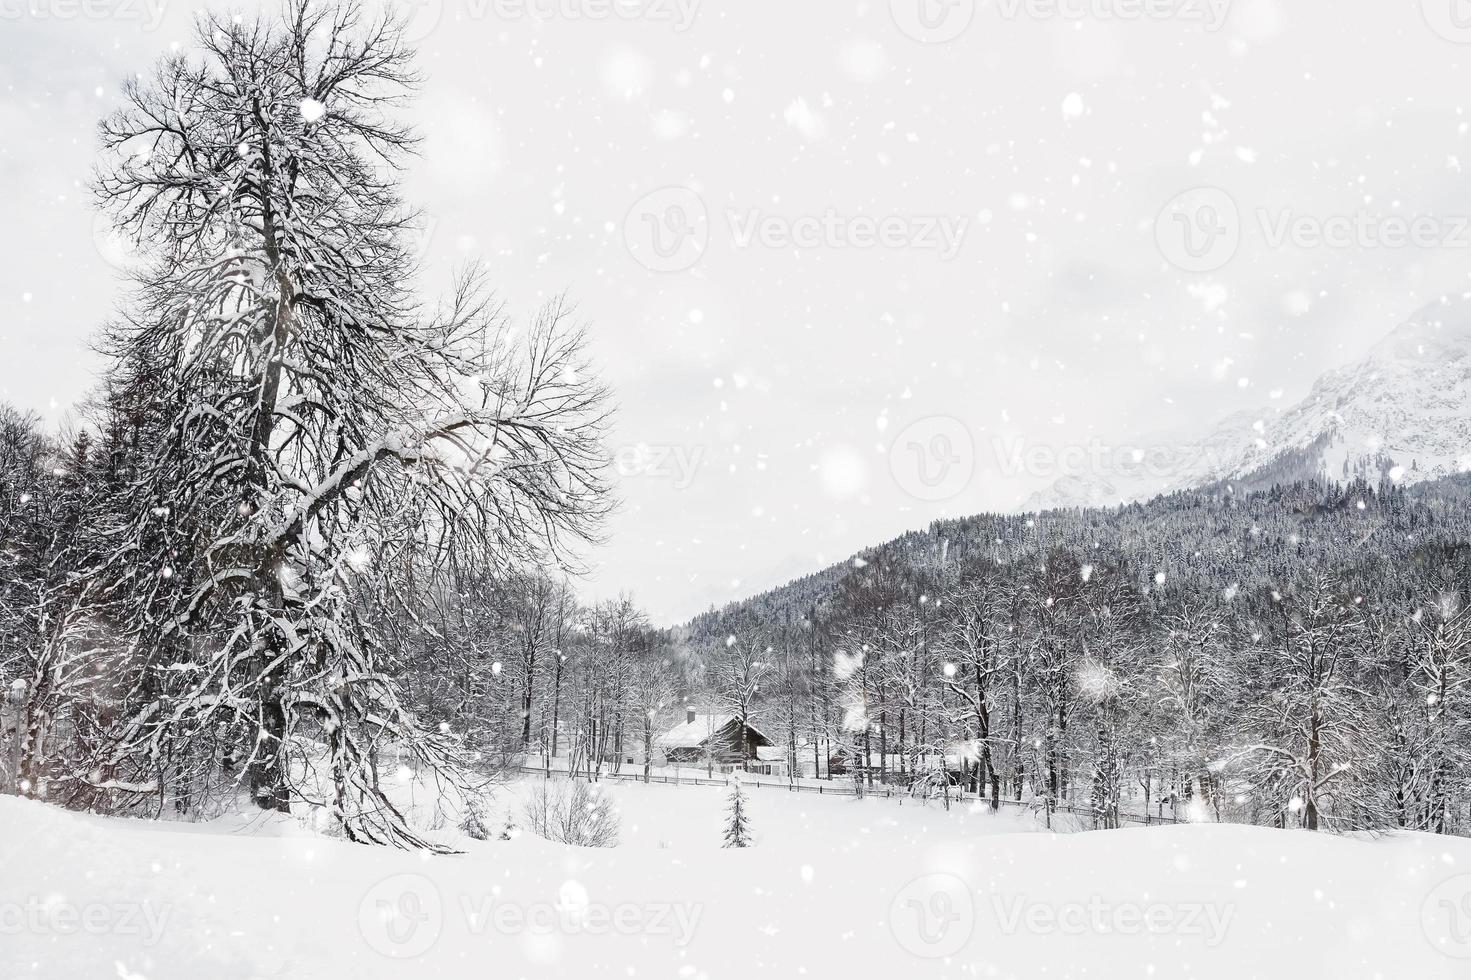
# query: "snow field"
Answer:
x=832 y=888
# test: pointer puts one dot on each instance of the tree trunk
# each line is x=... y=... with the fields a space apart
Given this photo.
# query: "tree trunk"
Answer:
x=267 y=770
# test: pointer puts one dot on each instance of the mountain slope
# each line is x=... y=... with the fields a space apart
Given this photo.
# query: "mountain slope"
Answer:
x=1402 y=412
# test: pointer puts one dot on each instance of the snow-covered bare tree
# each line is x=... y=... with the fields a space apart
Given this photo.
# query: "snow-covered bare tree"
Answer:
x=1441 y=678
x=1109 y=694
x=739 y=666
x=532 y=606
x=321 y=428
x=973 y=622
x=1056 y=611
x=654 y=686
x=1307 y=720
x=23 y=518
x=1194 y=694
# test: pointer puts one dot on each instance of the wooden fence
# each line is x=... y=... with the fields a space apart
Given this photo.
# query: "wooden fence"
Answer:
x=958 y=796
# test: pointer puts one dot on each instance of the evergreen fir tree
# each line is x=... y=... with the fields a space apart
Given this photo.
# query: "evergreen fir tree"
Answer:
x=738 y=822
x=472 y=824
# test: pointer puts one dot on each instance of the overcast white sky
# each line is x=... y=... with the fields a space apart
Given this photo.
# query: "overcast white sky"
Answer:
x=768 y=373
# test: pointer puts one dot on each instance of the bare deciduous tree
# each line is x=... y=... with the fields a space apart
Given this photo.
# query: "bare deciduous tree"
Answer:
x=319 y=426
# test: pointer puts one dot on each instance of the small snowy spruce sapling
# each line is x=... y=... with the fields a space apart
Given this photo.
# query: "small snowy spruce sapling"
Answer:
x=738 y=821
x=472 y=824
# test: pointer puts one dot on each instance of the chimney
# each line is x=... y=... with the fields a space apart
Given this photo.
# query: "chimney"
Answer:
x=689 y=715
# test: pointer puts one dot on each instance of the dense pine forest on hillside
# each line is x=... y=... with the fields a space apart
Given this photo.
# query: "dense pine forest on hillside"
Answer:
x=1295 y=657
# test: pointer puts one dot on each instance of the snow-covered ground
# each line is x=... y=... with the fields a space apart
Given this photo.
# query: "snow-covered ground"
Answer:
x=833 y=888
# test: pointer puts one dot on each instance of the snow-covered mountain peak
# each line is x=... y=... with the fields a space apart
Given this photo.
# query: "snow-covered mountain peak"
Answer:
x=1439 y=332
x=1403 y=412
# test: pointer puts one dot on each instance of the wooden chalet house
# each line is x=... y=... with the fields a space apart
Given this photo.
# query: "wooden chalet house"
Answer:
x=706 y=737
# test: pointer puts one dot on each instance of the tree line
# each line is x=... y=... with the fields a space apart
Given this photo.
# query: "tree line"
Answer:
x=1293 y=658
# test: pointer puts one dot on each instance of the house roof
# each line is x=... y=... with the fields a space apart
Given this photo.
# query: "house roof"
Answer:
x=692 y=734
